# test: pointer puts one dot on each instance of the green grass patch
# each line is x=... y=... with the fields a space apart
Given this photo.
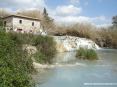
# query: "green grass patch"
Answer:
x=89 y=54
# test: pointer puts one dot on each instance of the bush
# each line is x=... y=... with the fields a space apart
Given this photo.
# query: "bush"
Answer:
x=46 y=49
x=40 y=57
x=44 y=44
x=89 y=54
x=20 y=38
x=15 y=65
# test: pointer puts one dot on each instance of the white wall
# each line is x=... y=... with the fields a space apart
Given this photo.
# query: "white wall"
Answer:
x=26 y=25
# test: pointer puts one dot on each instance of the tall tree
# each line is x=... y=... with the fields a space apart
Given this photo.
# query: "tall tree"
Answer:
x=47 y=21
x=2 y=28
x=45 y=12
x=1 y=22
x=114 y=20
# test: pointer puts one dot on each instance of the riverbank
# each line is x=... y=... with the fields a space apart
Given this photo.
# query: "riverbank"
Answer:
x=49 y=66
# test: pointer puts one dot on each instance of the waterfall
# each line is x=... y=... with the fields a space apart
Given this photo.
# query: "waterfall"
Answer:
x=71 y=43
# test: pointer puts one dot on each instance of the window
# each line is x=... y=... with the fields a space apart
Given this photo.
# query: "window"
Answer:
x=4 y=23
x=32 y=23
x=20 y=21
x=19 y=30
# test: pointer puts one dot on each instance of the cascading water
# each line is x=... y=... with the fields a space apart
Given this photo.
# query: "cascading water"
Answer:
x=70 y=43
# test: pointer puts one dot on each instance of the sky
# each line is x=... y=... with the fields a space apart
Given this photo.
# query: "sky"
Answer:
x=97 y=12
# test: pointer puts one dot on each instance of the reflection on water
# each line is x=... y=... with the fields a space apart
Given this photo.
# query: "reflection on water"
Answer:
x=103 y=70
x=64 y=58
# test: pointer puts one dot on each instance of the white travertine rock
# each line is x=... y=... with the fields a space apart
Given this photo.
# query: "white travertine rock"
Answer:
x=30 y=49
x=71 y=43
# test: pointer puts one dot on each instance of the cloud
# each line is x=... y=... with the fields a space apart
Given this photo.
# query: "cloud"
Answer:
x=102 y=18
x=103 y=25
x=67 y=20
x=22 y=4
x=72 y=19
x=70 y=14
x=66 y=14
x=68 y=10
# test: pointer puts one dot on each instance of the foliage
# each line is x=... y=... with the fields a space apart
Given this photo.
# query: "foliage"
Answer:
x=22 y=38
x=89 y=54
x=1 y=25
x=40 y=57
x=44 y=44
x=34 y=13
x=47 y=22
x=15 y=64
x=1 y=22
x=46 y=48
x=4 y=12
x=114 y=19
x=103 y=36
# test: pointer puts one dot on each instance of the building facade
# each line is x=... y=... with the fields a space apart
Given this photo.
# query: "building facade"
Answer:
x=23 y=24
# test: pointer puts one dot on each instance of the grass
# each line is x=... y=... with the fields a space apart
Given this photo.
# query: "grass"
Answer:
x=44 y=44
x=16 y=66
x=89 y=54
x=46 y=49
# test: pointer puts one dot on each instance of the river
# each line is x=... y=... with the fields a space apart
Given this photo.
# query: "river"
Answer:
x=72 y=72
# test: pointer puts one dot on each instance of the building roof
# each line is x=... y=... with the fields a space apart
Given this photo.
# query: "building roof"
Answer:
x=21 y=16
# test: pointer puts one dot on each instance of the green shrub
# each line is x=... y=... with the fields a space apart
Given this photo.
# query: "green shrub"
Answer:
x=44 y=44
x=22 y=38
x=86 y=54
x=46 y=48
x=40 y=57
x=15 y=65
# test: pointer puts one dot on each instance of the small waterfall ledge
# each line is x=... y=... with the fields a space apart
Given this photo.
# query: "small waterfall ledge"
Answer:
x=71 y=43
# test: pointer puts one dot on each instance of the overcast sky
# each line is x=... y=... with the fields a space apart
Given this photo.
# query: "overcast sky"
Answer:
x=97 y=12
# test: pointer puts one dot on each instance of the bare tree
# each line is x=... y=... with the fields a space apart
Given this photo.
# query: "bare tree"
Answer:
x=4 y=12
x=30 y=13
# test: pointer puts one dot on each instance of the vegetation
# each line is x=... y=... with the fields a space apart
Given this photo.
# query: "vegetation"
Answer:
x=46 y=49
x=1 y=24
x=89 y=54
x=103 y=36
x=4 y=12
x=30 y=13
x=44 y=44
x=48 y=22
x=114 y=19
x=15 y=65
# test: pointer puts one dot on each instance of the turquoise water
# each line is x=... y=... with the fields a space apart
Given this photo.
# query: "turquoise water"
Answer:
x=83 y=73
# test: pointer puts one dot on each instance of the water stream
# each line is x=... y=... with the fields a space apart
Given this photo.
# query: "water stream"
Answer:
x=73 y=72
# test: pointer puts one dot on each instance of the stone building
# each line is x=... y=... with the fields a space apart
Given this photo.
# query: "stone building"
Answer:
x=23 y=24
